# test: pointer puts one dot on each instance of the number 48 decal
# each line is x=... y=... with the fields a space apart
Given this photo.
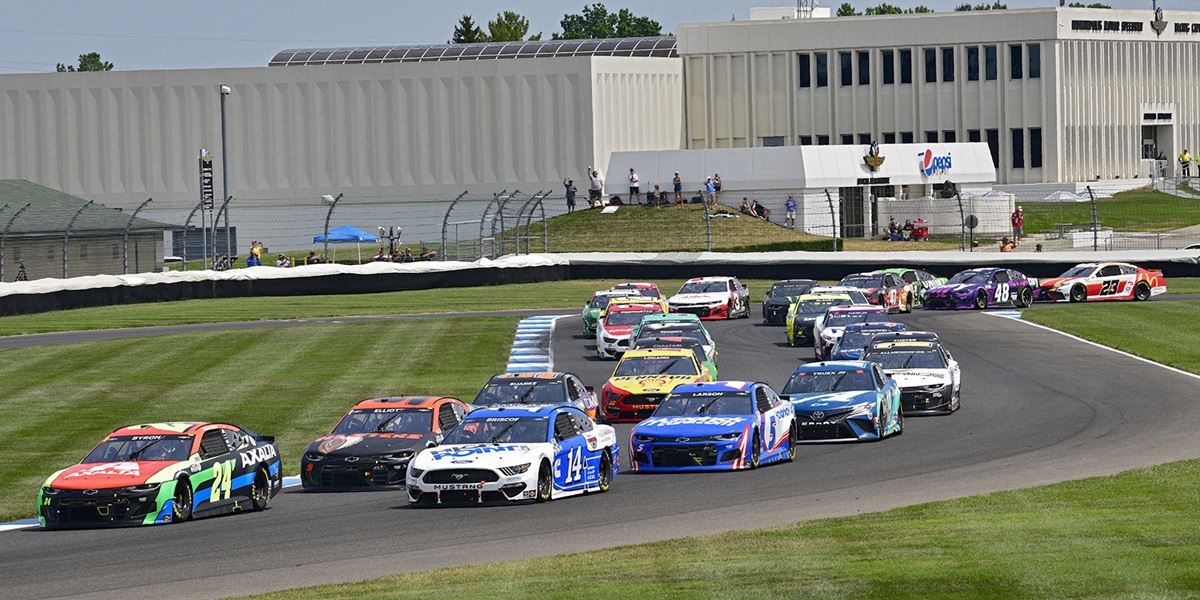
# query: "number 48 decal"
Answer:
x=1002 y=293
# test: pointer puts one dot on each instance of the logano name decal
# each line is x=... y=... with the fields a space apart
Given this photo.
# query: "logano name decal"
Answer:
x=932 y=165
x=258 y=455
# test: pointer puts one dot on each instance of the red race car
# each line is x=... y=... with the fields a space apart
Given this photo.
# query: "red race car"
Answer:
x=1102 y=281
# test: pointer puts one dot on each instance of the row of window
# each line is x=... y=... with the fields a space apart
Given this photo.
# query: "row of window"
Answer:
x=951 y=136
x=82 y=247
x=1024 y=60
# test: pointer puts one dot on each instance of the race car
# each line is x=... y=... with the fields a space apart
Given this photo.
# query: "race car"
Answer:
x=844 y=401
x=643 y=378
x=779 y=298
x=593 y=309
x=549 y=387
x=982 y=288
x=804 y=312
x=1102 y=281
x=857 y=336
x=616 y=325
x=516 y=453
x=712 y=298
x=675 y=324
x=882 y=289
x=918 y=279
x=828 y=327
x=715 y=426
x=163 y=473
x=839 y=290
x=929 y=378
x=371 y=446
x=687 y=343
x=643 y=289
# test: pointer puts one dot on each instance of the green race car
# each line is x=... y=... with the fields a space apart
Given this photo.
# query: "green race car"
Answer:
x=919 y=280
x=804 y=312
x=595 y=307
x=675 y=325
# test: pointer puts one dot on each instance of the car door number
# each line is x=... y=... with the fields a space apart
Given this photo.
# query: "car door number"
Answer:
x=222 y=480
x=1108 y=288
x=1002 y=292
x=574 y=460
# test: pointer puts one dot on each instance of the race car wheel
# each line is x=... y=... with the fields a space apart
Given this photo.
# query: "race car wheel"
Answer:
x=755 y=451
x=604 y=480
x=955 y=401
x=1141 y=293
x=908 y=304
x=793 y=443
x=899 y=421
x=260 y=490
x=1078 y=294
x=544 y=483
x=182 y=501
x=1024 y=298
x=981 y=299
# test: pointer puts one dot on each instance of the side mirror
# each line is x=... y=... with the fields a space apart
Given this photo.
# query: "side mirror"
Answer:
x=431 y=443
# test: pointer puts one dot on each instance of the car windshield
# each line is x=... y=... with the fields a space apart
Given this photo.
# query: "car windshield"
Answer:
x=789 y=289
x=1078 y=272
x=862 y=281
x=980 y=277
x=141 y=448
x=856 y=339
x=706 y=403
x=652 y=341
x=816 y=307
x=842 y=319
x=925 y=358
x=521 y=391
x=704 y=287
x=649 y=292
x=676 y=328
x=628 y=317
x=655 y=365
x=386 y=420
x=840 y=380
x=500 y=430
x=600 y=301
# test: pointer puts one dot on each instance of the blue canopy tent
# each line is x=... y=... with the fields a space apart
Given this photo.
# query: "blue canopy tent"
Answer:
x=344 y=234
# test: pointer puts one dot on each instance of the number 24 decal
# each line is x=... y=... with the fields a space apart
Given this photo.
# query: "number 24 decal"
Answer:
x=222 y=480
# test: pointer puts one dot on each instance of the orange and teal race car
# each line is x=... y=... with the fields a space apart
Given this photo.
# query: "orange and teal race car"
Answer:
x=163 y=473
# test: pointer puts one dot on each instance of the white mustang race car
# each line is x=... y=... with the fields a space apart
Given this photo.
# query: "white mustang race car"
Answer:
x=712 y=298
x=514 y=453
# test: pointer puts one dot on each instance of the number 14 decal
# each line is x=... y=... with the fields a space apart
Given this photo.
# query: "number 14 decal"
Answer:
x=574 y=460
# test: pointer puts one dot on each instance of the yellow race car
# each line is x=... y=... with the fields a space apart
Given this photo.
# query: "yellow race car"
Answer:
x=644 y=377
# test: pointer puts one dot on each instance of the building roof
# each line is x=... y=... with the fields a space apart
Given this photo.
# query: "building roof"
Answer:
x=51 y=210
x=663 y=46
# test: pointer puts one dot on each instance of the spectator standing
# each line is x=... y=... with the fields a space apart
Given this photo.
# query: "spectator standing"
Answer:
x=709 y=192
x=254 y=259
x=789 y=220
x=1018 y=222
x=1185 y=163
x=656 y=200
x=595 y=187
x=635 y=189
x=678 y=183
x=716 y=188
x=571 y=190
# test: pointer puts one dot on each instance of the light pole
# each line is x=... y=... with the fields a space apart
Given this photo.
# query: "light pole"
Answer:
x=332 y=203
x=224 y=181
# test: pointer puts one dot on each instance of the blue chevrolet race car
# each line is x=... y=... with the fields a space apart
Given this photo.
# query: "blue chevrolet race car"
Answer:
x=841 y=401
x=855 y=339
x=715 y=426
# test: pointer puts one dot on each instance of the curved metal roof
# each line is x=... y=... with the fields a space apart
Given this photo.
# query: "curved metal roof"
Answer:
x=643 y=46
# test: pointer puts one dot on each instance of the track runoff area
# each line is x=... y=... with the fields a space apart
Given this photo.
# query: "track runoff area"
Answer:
x=1038 y=407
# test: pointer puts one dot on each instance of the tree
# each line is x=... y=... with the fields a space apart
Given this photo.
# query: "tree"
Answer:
x=467 y=32
x=595 y=22
x=509 y=27
x=87 y=62
x=847 y=10
x=1093 y=5
x=994 y=6
x=919 y=9
x=885 y=9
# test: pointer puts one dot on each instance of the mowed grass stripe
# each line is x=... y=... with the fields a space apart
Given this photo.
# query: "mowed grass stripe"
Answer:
x=1165 y=332
x=291 y=382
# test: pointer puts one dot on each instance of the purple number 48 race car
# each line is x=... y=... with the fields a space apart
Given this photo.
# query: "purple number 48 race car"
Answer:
x=983 y=288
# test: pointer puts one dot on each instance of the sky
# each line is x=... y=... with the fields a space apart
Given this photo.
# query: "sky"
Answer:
x=36 y=35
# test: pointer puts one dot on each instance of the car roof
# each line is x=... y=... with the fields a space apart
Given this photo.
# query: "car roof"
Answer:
x=651 y=352
x=856 y=308
x=613 y=293
x=686 y=342
x=711 y=278
x=715 y=386
x=402 y=402
x=904 y=345
x=635 y=285
x=815 y=297
x=539 y=375
x=886 y=327
x=795 y=281
x=168 y=428
x=625 y=306
x=834 y=365
x=907 y=335
x=515 y=410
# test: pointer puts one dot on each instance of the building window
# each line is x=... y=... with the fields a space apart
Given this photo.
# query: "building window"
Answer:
x=847 y=139
x=993 y=141
x=930 y=65
x=822 y=69
x=806 y=140
x=972 y=63
x=973 y=135
x=864 y=138
x=846 y=66
x=947 y=64
x=931 y=137
x=772 y=141
x=949 y=136
x=906 y=66
x=1014 y=55
x=889 y=67
x=906 y=137
x=805 y=71
x=989 y=63
x=889 y=137
x=1018 y=148
x=83 y=247
x=50 y=252
x=116 y=251
x=864 y=68
x=1035 y=147
x=1035 y=61
x=822 y=140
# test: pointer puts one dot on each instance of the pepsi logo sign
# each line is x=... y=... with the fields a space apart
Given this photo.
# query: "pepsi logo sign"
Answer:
x=931 y=164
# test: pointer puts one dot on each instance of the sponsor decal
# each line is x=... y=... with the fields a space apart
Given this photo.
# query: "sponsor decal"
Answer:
x=873 y=158
x=117 y=468
x=138 y=438
x=257 y=455
x=480 y=450
x=669 y=421
x=457 y=486
x=932 y=165
x=338 y=442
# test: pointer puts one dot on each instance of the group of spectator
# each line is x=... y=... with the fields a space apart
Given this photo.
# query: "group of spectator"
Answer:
x=895 y=231
x=754 y=209
x=404 y=255
x=710 y=192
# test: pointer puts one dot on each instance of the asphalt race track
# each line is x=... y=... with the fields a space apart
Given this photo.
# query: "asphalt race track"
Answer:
x=1038 y=407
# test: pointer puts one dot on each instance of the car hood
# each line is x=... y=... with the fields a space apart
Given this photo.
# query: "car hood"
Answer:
x=617 y=330
x=652 y=384
x=698 y=298
x=830 y=400
x=919 y=377
x=476 y=455
x=779 y=300
x=1058 y=281
x=954 y=289
x=90 y=476
x=693 y=425
x=367 y=444
x=848 y=354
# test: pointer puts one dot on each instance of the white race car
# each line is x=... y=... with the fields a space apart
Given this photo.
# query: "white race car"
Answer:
x=929 y=378
x=712 y=298
x=516 y=453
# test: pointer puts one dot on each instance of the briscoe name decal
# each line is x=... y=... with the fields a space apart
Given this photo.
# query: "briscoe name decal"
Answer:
x=257 y=455
x=668 y=421
x=464 y=452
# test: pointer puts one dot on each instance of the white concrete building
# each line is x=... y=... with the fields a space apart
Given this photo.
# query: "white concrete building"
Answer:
x=1059 y=94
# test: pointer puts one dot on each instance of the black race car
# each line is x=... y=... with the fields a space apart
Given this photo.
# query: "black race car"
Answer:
x=781 y=296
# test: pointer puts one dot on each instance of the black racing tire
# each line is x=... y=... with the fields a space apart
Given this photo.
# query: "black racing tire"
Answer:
x=899 y=421
x=545 y=483
x=1141 y=292
x=182 y=501
x=260 y=490
x=907 y=307
x=955 y=401
x=981 y=299
x=793 y=443
x=1024 y=298
x=755 y=451
x=1078 y=294
x=604 y=478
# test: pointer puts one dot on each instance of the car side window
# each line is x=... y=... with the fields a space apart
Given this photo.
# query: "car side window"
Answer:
x=582 y=423
x=1109 y=271
x=760 y=398
x=1128 y=270
x=446 y=417
x=213 y=444
x=880 y=378
x=1000 y=276
x=563 y=427
x=909 y=276
x=574 y=391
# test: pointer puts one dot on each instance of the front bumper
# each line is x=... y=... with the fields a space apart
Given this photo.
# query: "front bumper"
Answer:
x=106 y=507
x=475 y=486
x=838 y=425
x=775 y=314
x=630 y=408
x=1049 y=295
x=341 y=475
x=666 y=456
x=949 y=303
x=800 y=333
x=609 y=346
x=930 y=399
x=705 y=312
